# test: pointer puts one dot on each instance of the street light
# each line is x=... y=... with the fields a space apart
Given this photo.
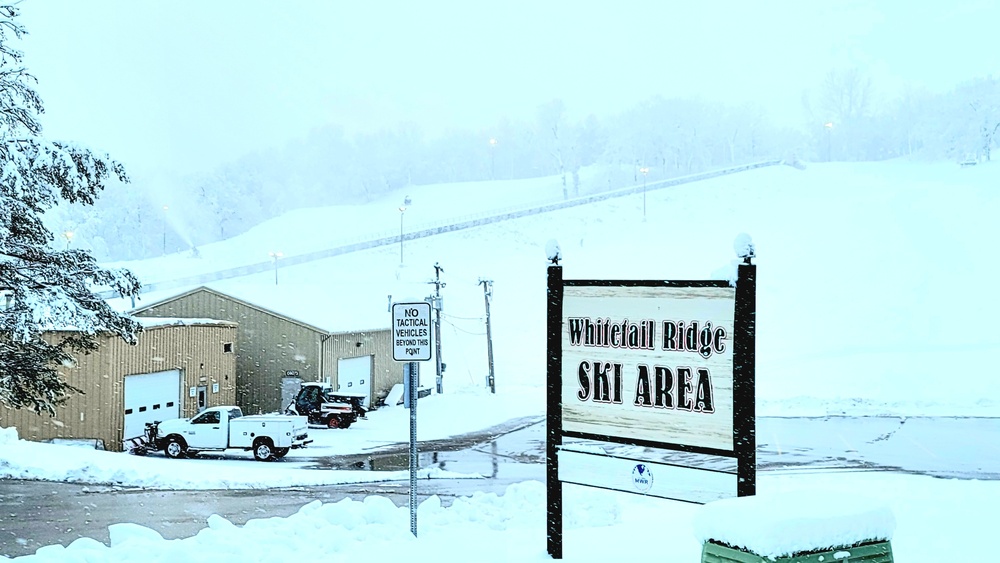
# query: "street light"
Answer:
x=68 y=235
x=493 y=157
x=402 y=209
x=645 y=171
x=165 y=208
x=829 y=134
x=274 y=256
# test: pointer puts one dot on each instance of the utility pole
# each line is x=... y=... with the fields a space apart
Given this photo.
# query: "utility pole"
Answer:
x=487 y=293
x=438 y=285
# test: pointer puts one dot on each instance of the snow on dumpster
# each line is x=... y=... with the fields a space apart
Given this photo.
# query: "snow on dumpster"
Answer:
x=786 y=525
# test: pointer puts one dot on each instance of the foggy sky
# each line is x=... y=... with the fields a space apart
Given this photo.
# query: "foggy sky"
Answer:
x=185 y=85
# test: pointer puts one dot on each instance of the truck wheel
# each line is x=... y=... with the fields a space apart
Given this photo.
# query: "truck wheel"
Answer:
x=263 y=450
x=280 y=453
x=175 y=447
x=345 y=422
x=333 y=422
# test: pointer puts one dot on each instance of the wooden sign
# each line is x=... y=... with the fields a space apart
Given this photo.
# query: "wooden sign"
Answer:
x=665 y=365
x=649 y=363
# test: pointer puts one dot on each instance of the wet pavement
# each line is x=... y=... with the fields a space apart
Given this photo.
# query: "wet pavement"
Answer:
x=33 y=514
x=958 y=448
x=500 y=453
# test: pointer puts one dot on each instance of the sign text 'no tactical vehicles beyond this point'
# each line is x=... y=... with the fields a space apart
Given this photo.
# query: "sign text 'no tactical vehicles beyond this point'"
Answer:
x=411 y=332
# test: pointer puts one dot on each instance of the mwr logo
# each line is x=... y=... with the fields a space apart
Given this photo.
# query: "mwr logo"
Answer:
x=642 y=478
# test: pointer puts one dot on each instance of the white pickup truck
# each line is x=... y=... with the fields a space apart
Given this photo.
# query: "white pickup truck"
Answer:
x=269 y=436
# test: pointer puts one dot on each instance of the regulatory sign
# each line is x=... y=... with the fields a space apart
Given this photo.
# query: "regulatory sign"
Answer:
x=411 y=332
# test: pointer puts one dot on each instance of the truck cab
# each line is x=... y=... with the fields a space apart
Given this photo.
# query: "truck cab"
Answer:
x=210 y=428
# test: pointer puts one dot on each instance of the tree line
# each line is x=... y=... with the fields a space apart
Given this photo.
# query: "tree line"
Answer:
x=658 y=138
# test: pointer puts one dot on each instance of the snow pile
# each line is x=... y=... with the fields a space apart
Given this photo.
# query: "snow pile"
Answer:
x=23 y=459
x=8 y=436
x=782 y=524
x=939 y=520
x=346 y=529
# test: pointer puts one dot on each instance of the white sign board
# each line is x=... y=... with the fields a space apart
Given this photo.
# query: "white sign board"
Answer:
x=649 y=363
x=662 y=480
x=411 y=332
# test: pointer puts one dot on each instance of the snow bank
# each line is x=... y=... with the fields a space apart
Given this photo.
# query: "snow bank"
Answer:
x=782 y=524
x=8 y=436
x=939 y=520
x=22 y=459
x=346 y=529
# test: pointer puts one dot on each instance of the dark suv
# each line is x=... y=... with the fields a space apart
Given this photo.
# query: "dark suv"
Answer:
x=325 y=406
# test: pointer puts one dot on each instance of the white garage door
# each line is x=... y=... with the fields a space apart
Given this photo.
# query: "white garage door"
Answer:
x=354 y=375
x=150 y=397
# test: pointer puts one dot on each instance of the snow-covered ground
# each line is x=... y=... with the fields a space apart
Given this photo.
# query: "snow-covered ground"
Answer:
x=936 y=519
x=439 y=416
x=873 y=297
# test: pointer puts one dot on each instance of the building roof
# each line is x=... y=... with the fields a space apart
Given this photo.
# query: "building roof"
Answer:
x=148 y=323
x=204 y=289
x=159 y=322
x=289 y=299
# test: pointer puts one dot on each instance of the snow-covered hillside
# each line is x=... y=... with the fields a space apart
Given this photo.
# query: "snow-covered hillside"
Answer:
x=873 y=291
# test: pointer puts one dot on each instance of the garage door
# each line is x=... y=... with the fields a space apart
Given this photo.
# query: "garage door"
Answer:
x=150 y=397
x=354 y=375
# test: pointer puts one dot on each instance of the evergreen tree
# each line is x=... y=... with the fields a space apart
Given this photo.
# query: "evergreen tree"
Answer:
x=48 y=309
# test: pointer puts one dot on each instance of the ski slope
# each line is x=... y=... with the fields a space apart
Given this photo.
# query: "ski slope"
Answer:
x=874 y=279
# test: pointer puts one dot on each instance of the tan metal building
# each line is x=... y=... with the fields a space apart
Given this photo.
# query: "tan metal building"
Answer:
x=273 y=345
x=349 y=356
x=177 y=367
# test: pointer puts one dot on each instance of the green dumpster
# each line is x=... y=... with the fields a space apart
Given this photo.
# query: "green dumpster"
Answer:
x=798 y=527
x=874 y=552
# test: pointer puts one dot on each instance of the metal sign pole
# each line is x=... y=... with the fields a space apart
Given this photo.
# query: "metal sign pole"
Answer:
x=411 y=324
x=413 y=369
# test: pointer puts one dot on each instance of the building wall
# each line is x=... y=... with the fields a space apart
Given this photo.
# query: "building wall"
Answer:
x=98 y=413
x=377 y=343
x=267 y=345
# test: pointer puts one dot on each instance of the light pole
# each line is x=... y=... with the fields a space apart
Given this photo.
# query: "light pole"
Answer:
x=493 y=157
x=402 y=209
x=829 y=142
x=68 y=235
x=645 y=171
x=165 y=208
x=275 y=255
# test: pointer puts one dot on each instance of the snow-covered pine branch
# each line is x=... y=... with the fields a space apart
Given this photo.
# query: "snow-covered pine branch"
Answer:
x=49 y=310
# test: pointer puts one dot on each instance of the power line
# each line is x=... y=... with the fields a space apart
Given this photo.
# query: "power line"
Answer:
x=479 y=319
x=466 y=331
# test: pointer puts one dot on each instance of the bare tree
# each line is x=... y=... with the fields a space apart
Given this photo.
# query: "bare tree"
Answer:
x=846 y=96
x=552 y=123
